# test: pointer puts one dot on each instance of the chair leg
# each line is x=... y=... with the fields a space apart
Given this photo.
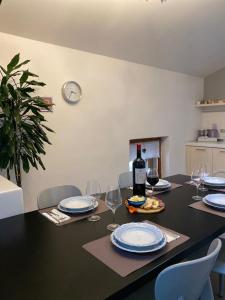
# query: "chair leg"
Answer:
x=221 y=285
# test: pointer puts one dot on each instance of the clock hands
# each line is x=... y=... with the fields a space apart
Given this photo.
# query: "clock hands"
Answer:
x=72 y=92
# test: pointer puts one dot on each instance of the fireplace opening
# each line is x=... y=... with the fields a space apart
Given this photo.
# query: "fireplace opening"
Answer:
x=151 y=152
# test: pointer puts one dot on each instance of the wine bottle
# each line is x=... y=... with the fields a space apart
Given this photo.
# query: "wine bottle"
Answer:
x=139 y=174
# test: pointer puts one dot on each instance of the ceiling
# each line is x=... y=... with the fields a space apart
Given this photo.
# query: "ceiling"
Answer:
x=179 y=35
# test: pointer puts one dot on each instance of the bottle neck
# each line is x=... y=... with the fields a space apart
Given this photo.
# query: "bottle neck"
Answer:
x=138 y=151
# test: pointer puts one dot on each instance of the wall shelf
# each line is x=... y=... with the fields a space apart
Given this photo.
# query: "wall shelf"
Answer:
x=212 y=107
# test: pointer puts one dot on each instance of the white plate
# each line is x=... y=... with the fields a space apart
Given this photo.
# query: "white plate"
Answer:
x=216 y=199
x=77 y=203
x=212 y=205
x=214 y=181
x=115 y=243
x=162 y=184
x=77 y=211
x=138 y=234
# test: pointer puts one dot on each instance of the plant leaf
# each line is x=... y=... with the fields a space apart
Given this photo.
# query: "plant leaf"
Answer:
x=47 y=128
x=25 y=162
x=37 y=83
x=21 y=64
x=32 y=74
x=24 y=77
x=13 y=63
x=4 y=70
x=12 y=91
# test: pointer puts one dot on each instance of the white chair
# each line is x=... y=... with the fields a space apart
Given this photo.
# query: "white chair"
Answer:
x=52 y=196
x=220 y=264
x=219 y=172
x=188 y=280
x=125 y=180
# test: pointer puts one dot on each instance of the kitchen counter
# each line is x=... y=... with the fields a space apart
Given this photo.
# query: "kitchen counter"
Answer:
x=220 y=145
x=11 y=199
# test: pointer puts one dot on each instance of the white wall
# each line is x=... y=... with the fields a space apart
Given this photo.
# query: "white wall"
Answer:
x=121 y=101
x=214 y=87
x=210 y=118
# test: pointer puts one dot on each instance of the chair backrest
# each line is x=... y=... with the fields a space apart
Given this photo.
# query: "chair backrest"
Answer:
x=219 y=172
x=125 y=180
x=188 y=280
x=52 y=196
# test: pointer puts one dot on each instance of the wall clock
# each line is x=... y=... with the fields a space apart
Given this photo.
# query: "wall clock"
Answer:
x=71 y=92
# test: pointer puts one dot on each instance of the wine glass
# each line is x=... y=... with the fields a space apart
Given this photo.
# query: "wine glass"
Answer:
x=93 y=189
x=196 y=179
x=203 y=173
x=152 y=177
x=113 y=200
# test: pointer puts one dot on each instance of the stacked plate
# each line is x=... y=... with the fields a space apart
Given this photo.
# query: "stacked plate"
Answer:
x=214 y=181
x=78 y=204
x=216 y=201
x=161 y=185
x=138 y=237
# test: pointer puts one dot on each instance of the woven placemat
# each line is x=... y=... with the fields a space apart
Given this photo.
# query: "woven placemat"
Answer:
x=73 y=218
x=201 y=206
x=150 y=193
x=173 y=187
x=209 y=187
x=123 y=262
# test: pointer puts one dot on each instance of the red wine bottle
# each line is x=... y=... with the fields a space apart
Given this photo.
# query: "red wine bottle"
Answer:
x=139 y=174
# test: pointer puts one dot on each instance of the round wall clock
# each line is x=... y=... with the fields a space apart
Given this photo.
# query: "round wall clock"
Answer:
x=71 y=91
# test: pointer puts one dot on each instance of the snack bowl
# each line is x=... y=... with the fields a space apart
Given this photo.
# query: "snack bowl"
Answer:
x=136 y=201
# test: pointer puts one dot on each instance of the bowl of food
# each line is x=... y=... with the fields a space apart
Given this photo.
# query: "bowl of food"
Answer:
x=136 y=201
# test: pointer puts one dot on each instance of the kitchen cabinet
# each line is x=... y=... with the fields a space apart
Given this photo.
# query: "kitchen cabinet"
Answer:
x=218 y=160
x=210 y=154
x=196 y=156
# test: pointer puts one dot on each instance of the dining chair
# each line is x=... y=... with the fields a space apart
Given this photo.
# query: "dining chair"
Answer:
x=53 y=195
x=125 y=180
x=220 y=264
x=188 y=280
x=219 y=172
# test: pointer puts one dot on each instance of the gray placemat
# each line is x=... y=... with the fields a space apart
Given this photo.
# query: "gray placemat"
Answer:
x=124 y=263
x=201 y=206
x=149 y=191
x=173 y=187
x=73 y=218
x=222 y=190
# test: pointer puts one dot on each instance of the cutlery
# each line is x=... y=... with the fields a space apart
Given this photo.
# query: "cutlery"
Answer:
x=55 y=217
x=171 y=236
x=47 y=215
x=60 y=216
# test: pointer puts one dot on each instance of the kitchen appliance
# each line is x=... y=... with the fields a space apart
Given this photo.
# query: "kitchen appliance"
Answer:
x=207 y=139
x=222 y=134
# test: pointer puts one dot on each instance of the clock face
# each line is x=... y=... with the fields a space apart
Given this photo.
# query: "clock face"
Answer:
x=71 y=91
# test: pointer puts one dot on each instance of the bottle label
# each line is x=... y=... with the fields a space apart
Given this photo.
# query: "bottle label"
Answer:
x=140 y=175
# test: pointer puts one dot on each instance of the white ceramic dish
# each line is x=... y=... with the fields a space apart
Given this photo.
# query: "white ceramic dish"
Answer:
x=162 y=184
x=77 y=211
x=77 y=203
x=216 y=199
x=77 y=208
x=213 y=205
x=214 y=181
x=129 y=249
x=138 y=234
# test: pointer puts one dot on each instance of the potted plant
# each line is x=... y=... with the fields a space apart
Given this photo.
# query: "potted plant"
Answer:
x=22 y=129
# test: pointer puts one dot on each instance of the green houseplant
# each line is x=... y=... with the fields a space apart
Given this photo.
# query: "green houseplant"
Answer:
x=22 y=129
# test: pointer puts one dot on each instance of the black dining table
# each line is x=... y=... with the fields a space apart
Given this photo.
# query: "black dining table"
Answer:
x=39 y=260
